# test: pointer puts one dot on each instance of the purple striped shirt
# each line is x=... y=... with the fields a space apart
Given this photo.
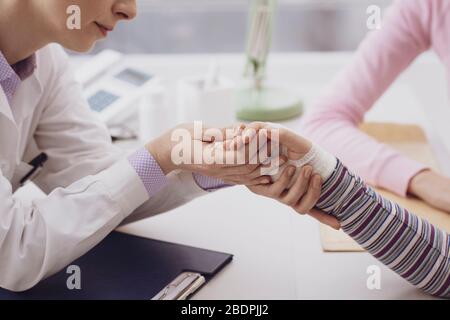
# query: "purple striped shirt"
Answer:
x=409 y=245
x=148 y=170
x=154 y=179
x=12 y=76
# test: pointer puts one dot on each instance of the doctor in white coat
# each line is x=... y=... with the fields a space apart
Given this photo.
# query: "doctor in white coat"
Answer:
x=91 y=186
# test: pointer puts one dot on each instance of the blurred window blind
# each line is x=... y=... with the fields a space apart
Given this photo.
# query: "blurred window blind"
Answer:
x=202 y=26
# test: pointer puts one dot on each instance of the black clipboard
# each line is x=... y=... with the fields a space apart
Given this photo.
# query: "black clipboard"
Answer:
x=126 y=267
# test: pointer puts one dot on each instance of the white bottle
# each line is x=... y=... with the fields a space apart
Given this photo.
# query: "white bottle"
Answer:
x=208 y=98
x=154 y=114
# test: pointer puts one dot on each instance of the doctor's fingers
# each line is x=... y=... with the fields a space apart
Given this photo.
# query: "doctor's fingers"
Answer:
x=236 y=180
x=300 y=187
x=252 y=178
x=212 y=134
x=252 y=129
x=247 y=173
x=216 y=153
x=240 y=159
x=248 y=138
x=241 y=170
x=263 y=130
x=297 y=145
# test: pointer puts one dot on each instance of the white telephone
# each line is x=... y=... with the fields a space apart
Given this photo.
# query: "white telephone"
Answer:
x=111 y=87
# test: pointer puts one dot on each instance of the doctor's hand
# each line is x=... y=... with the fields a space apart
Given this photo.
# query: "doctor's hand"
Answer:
x=189 y=147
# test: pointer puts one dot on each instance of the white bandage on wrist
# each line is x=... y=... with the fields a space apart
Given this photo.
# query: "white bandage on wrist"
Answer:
x=323 y=162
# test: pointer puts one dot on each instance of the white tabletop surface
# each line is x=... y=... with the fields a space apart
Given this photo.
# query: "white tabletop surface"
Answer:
x=277 y=254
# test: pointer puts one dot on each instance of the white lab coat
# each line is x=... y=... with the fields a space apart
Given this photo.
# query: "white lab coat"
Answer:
x=91 y=187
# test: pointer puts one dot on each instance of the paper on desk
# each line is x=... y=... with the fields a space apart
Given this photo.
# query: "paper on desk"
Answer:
x=412 y=141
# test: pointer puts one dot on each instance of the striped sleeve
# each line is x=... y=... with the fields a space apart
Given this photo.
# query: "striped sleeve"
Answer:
x=409 y=245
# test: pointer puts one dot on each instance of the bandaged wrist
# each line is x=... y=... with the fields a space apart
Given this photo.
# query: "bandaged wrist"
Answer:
x=322 y=162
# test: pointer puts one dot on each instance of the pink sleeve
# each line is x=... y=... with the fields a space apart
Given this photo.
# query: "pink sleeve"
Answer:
x=383 y=55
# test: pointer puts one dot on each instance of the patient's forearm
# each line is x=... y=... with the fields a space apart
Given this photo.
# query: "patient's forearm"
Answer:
x=409 y=245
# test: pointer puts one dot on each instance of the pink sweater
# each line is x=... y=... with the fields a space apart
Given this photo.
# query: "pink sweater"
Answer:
x=410 y=28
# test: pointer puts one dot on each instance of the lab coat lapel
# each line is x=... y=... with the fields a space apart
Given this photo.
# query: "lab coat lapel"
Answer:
x=8 y=137
x=26 y=98
x=23 y=104
x=5 y=109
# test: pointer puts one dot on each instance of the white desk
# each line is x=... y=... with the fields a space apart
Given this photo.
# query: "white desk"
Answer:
x=278 y=253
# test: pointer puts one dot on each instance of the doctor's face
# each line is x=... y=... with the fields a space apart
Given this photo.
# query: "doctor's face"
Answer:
x=78 y=24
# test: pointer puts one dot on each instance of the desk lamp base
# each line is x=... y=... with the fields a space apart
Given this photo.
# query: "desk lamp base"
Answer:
x=267 y=104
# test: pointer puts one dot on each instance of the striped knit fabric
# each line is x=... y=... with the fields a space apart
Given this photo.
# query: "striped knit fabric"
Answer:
x=409 y=245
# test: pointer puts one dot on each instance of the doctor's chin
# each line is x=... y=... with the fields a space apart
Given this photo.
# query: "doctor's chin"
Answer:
x=246 y=157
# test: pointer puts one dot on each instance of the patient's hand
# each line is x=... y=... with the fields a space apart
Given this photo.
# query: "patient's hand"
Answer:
x=302 y=195
x=431 y=187
x=302 y=191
